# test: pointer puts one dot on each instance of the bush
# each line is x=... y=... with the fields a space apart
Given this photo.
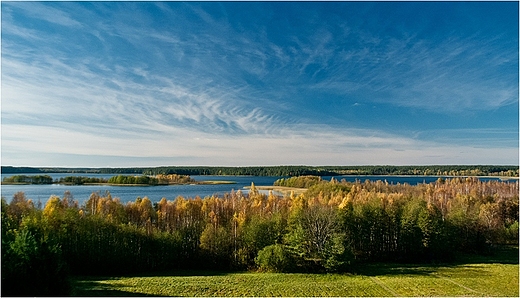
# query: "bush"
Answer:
x=511 y=234
x=275 y=258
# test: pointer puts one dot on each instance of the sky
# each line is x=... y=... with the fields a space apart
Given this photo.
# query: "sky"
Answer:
x=144 y=84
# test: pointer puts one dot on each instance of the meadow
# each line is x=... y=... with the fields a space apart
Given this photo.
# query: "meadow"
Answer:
x=495 y=276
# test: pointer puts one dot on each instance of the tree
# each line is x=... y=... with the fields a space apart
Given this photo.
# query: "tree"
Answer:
x=258 y=233
x=33 y=260
x=411 y=237
x=436 y=239
x=315 y=235
x=216 y=243
x=20 y=206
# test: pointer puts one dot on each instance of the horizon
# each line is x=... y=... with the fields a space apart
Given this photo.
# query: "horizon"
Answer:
x=266 y=166
x=259 y=84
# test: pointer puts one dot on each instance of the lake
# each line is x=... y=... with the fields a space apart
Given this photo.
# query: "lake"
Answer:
x=81 y=193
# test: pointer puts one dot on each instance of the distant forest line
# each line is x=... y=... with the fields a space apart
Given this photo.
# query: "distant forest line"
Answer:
x=439 y=170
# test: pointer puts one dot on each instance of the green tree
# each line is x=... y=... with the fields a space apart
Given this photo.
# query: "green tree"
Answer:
x=315 y=234
x=35 y=261
x=411 y=237
x=258 y=233
x=216 y=244
x=436 y=237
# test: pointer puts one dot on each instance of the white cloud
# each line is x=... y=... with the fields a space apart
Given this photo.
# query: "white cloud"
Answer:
x=304 y=145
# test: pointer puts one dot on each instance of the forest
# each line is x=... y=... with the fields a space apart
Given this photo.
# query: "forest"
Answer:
x=329 y=228
x=436 y=170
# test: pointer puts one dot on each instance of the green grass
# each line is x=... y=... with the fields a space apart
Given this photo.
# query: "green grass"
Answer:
x=474 y=277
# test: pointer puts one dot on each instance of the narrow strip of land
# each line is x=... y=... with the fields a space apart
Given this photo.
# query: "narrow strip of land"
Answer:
x=282 y=189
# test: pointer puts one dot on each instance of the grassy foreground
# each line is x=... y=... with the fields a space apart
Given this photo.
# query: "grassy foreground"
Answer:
x=477 y=276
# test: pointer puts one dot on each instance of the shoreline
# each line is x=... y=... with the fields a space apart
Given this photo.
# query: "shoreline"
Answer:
x=281 y=189
x=440 y=176
x=209 y=182
x=216 y=182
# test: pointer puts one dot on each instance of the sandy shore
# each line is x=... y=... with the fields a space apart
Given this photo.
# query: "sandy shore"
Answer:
x=280 y=189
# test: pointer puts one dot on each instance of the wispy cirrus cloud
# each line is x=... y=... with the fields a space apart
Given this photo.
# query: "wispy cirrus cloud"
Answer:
x=90 y=100
x=47 y=13
x=452 y=75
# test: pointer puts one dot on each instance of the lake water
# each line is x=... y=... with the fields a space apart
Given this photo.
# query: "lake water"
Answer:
x=81 y=193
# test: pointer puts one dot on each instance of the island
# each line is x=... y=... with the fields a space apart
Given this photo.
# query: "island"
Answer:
x=123 y=180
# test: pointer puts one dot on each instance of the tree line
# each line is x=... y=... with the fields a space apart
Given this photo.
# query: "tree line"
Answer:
x=435 y=170
x=27 y=179
x=80 y=180
x=160 y=179
x=119 y=179
x=330 y=227
x=46 y=179
x=298 y=182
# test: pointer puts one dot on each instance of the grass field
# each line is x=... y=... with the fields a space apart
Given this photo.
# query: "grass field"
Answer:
x=475 y=276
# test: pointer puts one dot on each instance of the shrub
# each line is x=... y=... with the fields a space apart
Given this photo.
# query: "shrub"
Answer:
x=511 y=233
x=275 y=258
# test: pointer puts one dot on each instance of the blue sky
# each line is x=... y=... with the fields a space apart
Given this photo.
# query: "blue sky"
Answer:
x=121 y=84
